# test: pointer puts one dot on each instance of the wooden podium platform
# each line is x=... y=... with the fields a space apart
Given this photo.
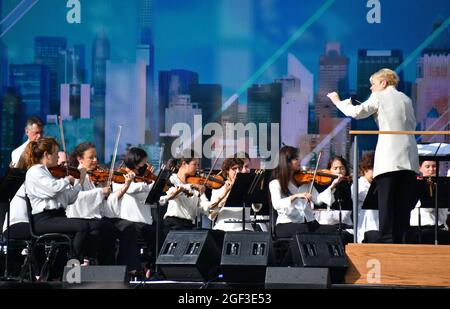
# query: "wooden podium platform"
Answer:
x=391 y=264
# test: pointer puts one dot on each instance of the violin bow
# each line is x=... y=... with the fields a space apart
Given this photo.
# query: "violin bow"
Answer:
x=113 y=162
x=315 y=173
x=214 y=164
x=63 y=142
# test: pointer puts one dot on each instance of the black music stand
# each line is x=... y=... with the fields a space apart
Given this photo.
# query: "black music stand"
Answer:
x=244 y=192
x=153 y=198
x=9 y=186
x=339 y=204
x=434 y=192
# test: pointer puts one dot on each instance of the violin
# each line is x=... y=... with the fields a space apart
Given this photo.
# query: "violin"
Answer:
x=61 y=171
x=323 y=177
x=100 y=175
x=211 y=182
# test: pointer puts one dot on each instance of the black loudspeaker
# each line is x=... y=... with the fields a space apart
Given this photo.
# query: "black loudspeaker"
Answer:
x=91 y=277
x=320 y=250
x=245 y=256
x=190 y=255
x=297 y=278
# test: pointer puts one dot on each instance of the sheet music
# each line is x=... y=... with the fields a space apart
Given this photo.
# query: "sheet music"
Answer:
x=438 y=149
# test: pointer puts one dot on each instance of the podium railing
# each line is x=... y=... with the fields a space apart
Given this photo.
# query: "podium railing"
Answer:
x=355 y=133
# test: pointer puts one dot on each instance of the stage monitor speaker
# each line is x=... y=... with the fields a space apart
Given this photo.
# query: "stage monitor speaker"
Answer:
x=90 y=277
x=190 y=255
x=245 y=256
x=297 y=278
x=320 y=250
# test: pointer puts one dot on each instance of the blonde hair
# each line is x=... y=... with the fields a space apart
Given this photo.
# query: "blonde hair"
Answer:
x=388 y=75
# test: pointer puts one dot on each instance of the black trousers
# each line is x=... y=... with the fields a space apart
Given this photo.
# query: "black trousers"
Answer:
x=55 y=221
x=128 y=253
x=175 y=223
x=101 y=241
x=18 y=231
x=397 y=196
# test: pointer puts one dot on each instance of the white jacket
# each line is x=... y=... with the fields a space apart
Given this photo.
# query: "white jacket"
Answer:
x=392 y=111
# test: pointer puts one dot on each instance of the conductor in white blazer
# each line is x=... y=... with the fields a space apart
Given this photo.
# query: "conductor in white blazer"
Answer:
x=396 y=156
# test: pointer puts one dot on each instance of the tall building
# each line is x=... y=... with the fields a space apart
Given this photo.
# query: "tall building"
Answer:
x=10 y=136
x=433 y=87
x=47 y=51
x=294 y=111
x=369 y=62
x=209 y=100
x=75 y=101
x=125 y=105
x=3 y=62
x=264 y=106
x=333 y=76
x=100 y=55
x=171 y=84
x=145 y=9
x=31 y=82
x=181 y=110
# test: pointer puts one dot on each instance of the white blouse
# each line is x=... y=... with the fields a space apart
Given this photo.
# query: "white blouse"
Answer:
x=183 y=206
x=132 y=205
x=17 y=153
x=46 y=192
x=298 y=210
x=17 y=209
x=89 y=204
x=427 y=216
x=229 y=214
x=367 y=218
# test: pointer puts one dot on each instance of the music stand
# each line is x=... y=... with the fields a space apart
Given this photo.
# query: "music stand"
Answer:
x=244 y=192
x=9 y=186
x=439 y=198
x=338 y=204
x=153 y=198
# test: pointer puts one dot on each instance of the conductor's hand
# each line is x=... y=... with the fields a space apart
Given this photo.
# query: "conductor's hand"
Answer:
x=334 y=97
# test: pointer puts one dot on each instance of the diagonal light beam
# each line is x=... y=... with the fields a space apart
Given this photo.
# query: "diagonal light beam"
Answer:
x=16 y=15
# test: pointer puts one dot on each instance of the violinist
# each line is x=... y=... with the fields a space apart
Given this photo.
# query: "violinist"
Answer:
x=50 y=196
x=337 y=165
x=183 y=209
x=230 y=168
x=93 y=206
x=427 y=215
x=294 y=203
x=131 y=207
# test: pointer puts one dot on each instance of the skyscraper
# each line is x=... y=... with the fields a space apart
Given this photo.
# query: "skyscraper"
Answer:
x=171 y=84
x=264 y=105
x=145 y=9
x=31 y=82
x=75 y=101
x=433 y=87
x=333 y=76
x=10 y=136
x=47 y=51
x=100 y=54
x=209 y=100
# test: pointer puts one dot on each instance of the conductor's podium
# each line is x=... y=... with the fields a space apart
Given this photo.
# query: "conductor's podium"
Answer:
x=400 y=265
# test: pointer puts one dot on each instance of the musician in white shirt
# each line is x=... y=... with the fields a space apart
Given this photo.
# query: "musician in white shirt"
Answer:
x=230 y=168
x=95 y=203
x=396 y=155
x=185 y=201
x=18 y=221
x=50 y=196
x=132 y=207
x=293 y=203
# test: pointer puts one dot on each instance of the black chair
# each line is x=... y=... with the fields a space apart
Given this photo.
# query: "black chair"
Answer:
x=51 y=243
x=19 y=244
